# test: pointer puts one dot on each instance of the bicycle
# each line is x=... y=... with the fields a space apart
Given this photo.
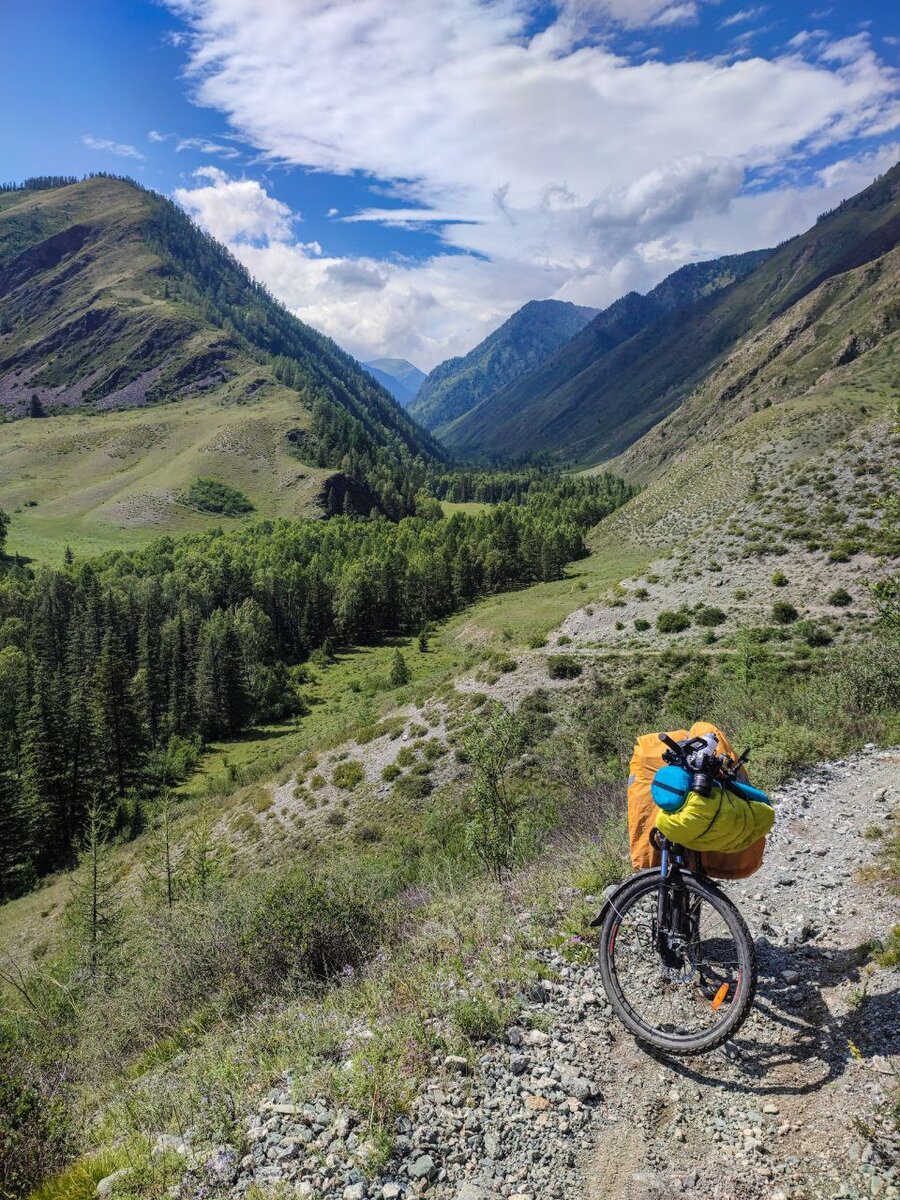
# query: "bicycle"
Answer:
x=676 y=958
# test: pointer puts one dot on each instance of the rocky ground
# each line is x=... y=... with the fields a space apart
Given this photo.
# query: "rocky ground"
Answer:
x=566 y=1106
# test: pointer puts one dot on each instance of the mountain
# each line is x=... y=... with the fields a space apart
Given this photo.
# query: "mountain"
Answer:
x=398 y=376
x=610 y=328
x=592 y=401
x=112 y=299
x=520 y=344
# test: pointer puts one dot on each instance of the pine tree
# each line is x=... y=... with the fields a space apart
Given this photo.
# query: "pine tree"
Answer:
x=162 y=858
x=93 y=913
x=400 y=672
x=44 y=762
x=117 y=724
x=149 y=682
x=16 y=871
x=220 y=691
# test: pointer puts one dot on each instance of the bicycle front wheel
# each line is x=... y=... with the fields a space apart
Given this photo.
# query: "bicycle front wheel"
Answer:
x=677 y=962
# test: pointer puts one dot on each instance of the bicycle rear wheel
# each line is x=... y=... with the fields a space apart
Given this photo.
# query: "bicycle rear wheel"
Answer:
x=684 y=984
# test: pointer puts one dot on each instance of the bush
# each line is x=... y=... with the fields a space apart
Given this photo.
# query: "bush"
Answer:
x=348 y=775
x=641 y=625
x=413 y=786
x=406 y=756
x=709 y=617
x=779 y=579
x=481 y=1016
x=391 y=772
x=740 y=593
x=784 y=613
x=672 y=622
x=812 y=634
x=208 y=495
x=563 y=666
x=36 y=1130
x=840 y=598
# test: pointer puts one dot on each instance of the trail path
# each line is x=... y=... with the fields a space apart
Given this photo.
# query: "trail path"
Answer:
x=568 y=1107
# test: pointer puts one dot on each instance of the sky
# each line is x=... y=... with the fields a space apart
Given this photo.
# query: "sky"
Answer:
x=404 y=174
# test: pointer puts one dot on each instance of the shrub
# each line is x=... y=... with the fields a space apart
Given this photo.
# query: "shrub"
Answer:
x=336 y=819
x=641 y=593
x=709 y=617
x=536 y=641
x=208 y=495
x=563 y=666
x=740 y=593
x=784 y=613
x=433 y=750
x=812 y=634
x=481 y=1016
x=36 y=1130
x=348 y=775
x=413 y=786
x=779 y=579
x=672 y=622
x=391 y=772
x=563 y=640
x=641 y=625
x=317 y=781
x=840 y=598
x=406 y=756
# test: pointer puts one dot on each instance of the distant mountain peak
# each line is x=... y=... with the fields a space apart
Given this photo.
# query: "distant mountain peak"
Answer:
x=524 y=340
x=399 y=376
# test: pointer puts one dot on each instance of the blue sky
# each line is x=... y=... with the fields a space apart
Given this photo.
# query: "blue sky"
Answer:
x=404 y=176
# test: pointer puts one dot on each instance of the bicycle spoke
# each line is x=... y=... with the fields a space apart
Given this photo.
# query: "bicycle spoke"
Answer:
x=674 y=984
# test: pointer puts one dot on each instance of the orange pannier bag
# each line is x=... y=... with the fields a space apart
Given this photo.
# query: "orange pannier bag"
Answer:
x=645 y=762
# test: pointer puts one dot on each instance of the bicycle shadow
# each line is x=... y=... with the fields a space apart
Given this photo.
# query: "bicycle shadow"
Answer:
x=794 y=1028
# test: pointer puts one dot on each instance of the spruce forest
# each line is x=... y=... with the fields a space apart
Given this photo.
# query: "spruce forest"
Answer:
x=114 y=671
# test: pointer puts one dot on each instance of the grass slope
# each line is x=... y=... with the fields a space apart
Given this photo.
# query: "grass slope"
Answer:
x=112 y=301
x=102 y=482
x=593 y=408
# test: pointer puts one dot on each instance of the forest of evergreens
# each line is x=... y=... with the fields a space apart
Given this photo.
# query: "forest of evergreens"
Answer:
x=113 y=671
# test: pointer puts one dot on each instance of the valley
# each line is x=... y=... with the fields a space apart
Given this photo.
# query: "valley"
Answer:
x=269 y=656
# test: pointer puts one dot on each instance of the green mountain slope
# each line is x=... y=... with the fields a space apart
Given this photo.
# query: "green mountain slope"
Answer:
x=593 y=408
x=399 y=376
x=521 y=343
x=111 y=299
x=787 y=448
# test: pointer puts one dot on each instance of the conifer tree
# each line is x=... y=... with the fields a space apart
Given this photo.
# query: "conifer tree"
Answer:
x=44 y=759
x=117 y=725
x=16 y=871
x=220 y=692
x=400 y=672
x=93 y=913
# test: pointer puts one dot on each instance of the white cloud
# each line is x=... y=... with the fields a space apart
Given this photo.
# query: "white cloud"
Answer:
x=428 y=311
x=120 y=149
x=566 y=168
x=742 y=16
x=200 y=144
x=236 y=210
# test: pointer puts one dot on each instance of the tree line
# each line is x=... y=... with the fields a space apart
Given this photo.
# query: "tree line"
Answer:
x=113 y=671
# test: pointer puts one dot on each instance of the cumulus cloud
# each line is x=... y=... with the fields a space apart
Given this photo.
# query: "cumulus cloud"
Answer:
x=547 y=163
x=236 y=210
x=120 y=149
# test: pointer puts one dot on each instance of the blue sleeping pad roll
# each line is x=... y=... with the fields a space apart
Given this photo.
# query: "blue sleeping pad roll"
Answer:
x=748 y=791
x=670 y=787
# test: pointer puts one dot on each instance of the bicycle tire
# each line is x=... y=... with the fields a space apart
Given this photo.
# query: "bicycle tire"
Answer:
x=625 y=899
